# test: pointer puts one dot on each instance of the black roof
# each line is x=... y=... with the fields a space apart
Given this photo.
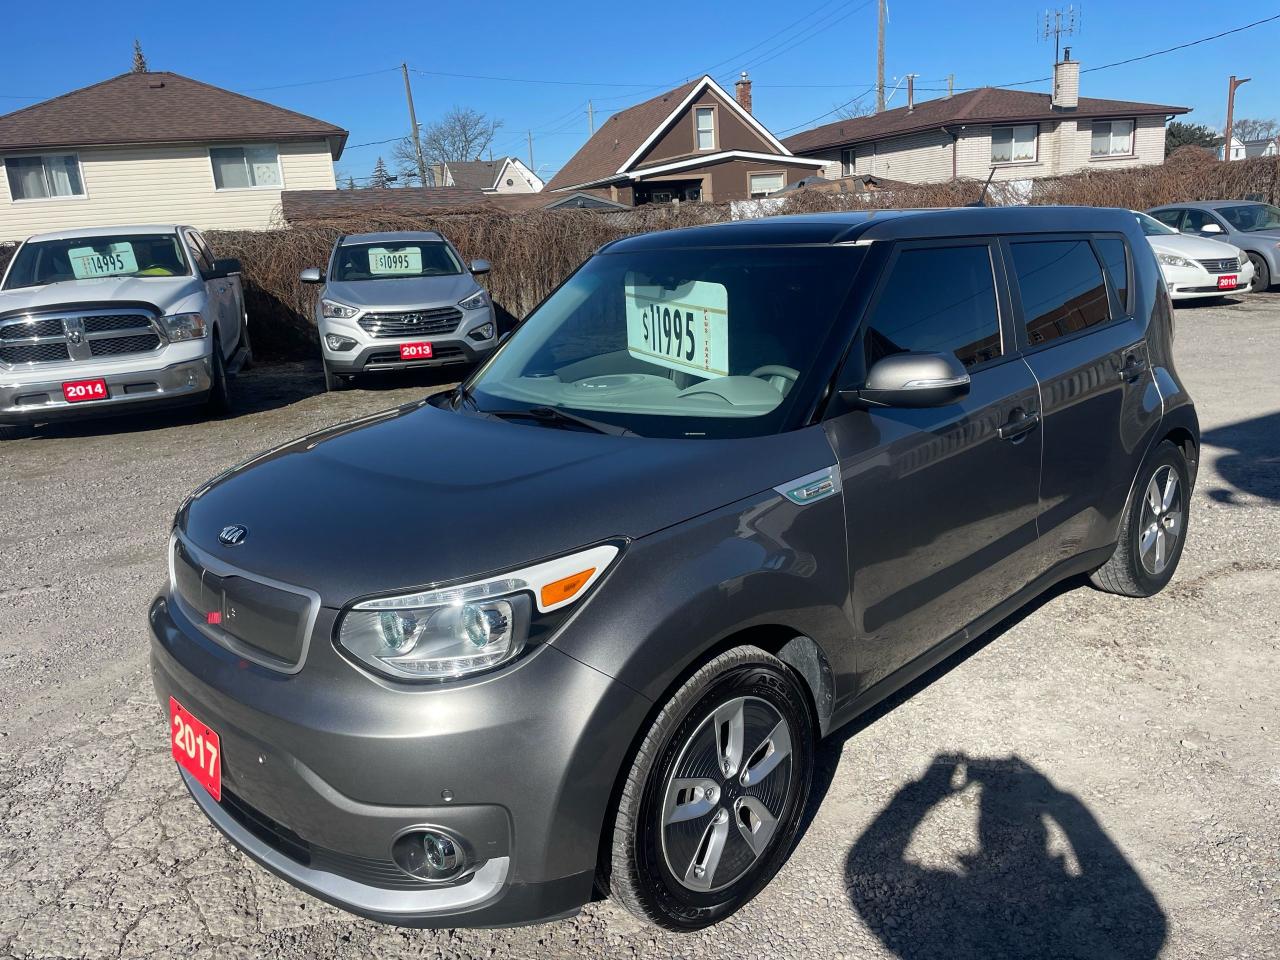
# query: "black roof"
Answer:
x=829 y=228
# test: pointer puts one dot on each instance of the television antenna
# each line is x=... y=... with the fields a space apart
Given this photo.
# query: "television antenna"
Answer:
x=1058 y=23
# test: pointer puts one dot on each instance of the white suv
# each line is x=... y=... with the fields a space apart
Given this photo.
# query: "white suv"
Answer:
x=108 y=320
x=394 y=301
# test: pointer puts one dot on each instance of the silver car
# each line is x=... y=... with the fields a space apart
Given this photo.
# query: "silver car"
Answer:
x=394 y=301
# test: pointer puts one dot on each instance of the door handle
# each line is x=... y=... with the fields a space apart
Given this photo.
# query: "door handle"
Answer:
x=1134 y=367
x=1019 y=424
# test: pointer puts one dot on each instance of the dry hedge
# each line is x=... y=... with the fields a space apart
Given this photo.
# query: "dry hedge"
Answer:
x=532 y=252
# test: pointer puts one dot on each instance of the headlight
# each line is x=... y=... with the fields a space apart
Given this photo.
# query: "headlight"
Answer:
x=1173 y=260
x=183 y=326
x=477 y=300
x=455 y=631
x=334 y=310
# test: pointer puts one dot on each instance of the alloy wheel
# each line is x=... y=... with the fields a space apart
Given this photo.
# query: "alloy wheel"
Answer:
x=729 y=786
x=1162 y=520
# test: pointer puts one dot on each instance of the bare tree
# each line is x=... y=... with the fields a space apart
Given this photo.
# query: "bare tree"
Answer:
x=462 y=134
x=854 y=109
x=139 y=58
x=1262 y=129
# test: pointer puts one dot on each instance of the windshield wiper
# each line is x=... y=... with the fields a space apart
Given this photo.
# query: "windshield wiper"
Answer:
x=551 y=415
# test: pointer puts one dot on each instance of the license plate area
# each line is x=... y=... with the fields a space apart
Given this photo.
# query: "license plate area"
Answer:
x=196 y=748
x=1227 y=282
x=415 y=351
x=79 y=391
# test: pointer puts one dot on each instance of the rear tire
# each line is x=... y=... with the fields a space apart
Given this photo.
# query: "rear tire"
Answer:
x=219 y=403
x=1261 y=273
x=696 y=835
x=1153 y=528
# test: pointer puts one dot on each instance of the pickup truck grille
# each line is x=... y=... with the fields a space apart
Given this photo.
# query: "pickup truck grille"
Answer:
x=412 y=324
x=78 y=336
x=1221 y=266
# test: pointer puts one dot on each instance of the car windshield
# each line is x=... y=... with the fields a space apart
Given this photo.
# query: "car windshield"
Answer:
x=88 y=258
x=678 y=343
x=1252 y=217
x=395 y=259
x=1153 y=227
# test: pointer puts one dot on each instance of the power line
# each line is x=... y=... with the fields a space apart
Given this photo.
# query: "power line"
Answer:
x=309 y=83
x=556 y=83
x=823 y=116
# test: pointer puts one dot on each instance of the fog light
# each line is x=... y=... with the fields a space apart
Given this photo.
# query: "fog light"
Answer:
x=337 y=343
x=428 y=855
x=482 y=332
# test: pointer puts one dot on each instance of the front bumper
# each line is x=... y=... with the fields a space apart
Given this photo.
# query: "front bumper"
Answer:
x=37 y=401
x=1194 y=283
x=384 y=355
x=323 y=769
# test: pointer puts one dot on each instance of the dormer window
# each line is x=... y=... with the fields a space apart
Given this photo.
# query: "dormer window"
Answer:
x=705 y=120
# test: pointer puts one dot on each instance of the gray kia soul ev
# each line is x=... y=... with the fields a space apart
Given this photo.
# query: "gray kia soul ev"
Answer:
x=725 y=489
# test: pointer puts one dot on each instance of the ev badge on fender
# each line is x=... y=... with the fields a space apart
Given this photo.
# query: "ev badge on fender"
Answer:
x=233 y=534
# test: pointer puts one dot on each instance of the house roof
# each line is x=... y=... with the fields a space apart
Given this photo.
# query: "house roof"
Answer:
x=157 y=107
x=298 y=205
x=983 y=105
x=478 y=174
x=618 y=138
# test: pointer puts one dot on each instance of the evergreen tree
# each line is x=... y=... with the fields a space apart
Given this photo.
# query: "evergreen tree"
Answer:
x=139 y=58
x=351 y=183
x=380 y=179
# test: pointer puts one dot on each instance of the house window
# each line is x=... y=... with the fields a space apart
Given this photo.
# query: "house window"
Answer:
x=1014 y=144
x=42 y=178
x=243 y=168
x=705 y=117
x=848 y=162
x=763 y=184
x=1112 y=138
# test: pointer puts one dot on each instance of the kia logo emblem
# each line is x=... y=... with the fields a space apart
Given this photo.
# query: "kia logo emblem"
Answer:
x=233 y=534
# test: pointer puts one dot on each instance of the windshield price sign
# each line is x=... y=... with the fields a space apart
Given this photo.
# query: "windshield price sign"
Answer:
x=685 y=328
x=110 y=260
x=406 y=261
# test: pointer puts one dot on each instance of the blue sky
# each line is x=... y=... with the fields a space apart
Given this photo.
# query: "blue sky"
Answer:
x=804 y=60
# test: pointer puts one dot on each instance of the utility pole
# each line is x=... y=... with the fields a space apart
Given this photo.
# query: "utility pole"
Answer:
x=531 y=150
x=884 y=12
x=591 y=118
x=1231 y=113
x=413 y=127
x=951 y=84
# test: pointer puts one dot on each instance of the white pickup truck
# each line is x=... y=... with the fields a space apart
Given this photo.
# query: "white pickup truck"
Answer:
x=114 y=319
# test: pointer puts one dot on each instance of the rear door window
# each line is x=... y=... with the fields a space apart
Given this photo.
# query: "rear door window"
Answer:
x=1115 y=258
x=1171 y=217
x=1062 y=288
x=936 y=300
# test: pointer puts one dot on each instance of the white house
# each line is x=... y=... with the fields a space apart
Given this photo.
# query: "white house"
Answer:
x=1021 y=135
x=503 y=175
x=157 y=148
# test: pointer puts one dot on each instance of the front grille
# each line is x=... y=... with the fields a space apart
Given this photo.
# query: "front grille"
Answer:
x=367 y=870
x=445 y=352
x=1221 y=266
x=34 y=353
x=81 y=335
x=118 y=346
x=423 y=322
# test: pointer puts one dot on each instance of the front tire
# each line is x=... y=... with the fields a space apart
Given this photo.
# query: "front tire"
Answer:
x=1153 y=528
x=334 y=382
x=1261 y=273
x=219 y=403
x=712 y=804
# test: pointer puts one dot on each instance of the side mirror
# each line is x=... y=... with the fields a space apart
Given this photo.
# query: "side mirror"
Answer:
x=479 y=267
x=224 y=268
x=913 y=380
x=311 y=275
x=1211 y=228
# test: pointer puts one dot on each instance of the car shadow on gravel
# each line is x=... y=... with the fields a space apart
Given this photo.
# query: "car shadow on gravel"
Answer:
x=1252 y=461
x=1045 y=880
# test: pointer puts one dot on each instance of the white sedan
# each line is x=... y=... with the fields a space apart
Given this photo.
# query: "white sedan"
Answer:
x=1194 y=267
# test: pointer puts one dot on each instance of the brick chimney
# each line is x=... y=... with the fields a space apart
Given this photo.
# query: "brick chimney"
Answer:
x=1066 y=83
x=742 y=91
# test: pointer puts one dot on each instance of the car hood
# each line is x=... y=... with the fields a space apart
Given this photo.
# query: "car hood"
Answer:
x=165 y=293
x=1197 y=248
x=409 y=293
x=421 y=495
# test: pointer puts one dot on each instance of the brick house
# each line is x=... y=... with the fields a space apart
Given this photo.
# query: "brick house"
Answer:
x=692 y=143
x=1023 y=135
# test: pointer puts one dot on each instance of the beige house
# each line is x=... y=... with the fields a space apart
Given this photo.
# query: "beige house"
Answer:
x=1020 y=135
x=157 y=148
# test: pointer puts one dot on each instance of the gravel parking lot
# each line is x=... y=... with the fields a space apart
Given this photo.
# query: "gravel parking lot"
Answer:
x=1097 y=777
